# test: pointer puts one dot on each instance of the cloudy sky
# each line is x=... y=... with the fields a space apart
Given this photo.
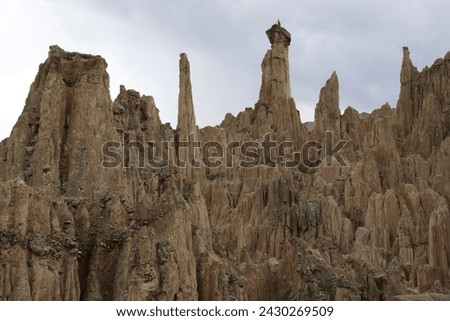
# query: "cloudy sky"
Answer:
x=225 y=41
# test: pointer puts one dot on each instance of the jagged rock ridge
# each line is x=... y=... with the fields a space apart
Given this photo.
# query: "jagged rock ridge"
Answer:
x=81 y=220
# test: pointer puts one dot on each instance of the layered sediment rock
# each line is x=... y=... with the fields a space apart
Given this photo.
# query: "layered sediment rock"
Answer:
x=95 y=204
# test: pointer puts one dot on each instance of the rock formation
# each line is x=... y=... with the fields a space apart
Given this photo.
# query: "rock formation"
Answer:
x=95 y=204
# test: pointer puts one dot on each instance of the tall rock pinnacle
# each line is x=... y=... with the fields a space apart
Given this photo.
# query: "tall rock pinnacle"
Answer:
x=276 y=107
x=186 y=127
x=408 y=71
x=407 y=109
x=327 y=112
x=186 y=117
x=275 y=66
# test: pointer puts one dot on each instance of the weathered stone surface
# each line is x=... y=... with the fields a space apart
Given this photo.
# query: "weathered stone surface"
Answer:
x=81 y=222
x=275 y=110
x=327 y=112
x=423 y=107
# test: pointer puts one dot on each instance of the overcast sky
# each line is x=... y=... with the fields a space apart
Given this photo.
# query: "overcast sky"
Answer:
x=225 y=42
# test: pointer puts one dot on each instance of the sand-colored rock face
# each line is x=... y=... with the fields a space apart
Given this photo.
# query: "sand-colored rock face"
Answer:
x=94 y=204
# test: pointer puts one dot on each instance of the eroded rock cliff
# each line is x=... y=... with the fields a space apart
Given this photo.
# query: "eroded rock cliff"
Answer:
x=101 y=201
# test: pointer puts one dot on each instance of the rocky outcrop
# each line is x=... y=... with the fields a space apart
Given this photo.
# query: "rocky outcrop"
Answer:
x=101 y=201
x=39 y=249
x=187 y=153
x=423 y=106
x=186 y=116
x=275 y=110
x=327 y=112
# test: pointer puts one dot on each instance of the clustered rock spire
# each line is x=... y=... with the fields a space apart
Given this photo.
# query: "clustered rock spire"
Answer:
x=93 y=207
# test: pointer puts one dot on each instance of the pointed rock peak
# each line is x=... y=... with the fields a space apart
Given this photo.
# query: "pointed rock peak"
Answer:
x=386 y=105
x=327 y=112
x=184 y=63
x=278 y=35
x=122 y=90
x=331 y=87
x=406 y=54
x=408 y=69
x=186 y=117
x=406 y=61
x=384 y=112
x=447 y=56
x=333 y=79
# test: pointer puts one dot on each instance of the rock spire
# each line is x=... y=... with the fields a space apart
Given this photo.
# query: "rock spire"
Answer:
x=92 y=207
